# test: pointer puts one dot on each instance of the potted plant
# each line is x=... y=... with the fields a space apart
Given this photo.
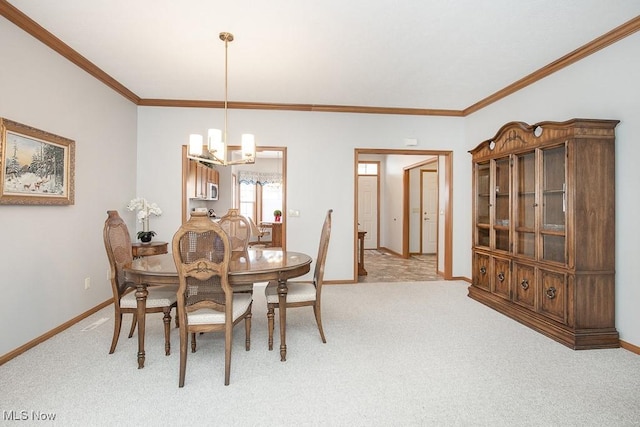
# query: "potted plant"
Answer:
x=145 y=210
x=145 y=236
x=277 y=214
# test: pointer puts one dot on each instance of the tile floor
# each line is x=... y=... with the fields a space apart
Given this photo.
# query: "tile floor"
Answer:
x=385 y=267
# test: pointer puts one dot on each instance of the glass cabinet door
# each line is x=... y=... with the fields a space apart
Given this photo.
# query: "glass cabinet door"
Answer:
x=483 y=202
x=525 y=204
x=554 y=200
x=502 y=204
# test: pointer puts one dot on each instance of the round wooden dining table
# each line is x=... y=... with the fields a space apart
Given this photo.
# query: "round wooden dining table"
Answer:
x=259 y=265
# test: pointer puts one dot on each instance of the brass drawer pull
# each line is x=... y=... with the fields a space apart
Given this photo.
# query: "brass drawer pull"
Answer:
x=550 y=293
x=524 y=284
x=483 y=270
x=501 y=277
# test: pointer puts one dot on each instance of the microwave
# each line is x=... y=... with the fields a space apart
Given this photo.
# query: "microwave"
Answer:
x=212 y=191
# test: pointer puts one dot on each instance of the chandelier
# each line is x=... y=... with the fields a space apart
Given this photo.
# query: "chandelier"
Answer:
x=215 y=151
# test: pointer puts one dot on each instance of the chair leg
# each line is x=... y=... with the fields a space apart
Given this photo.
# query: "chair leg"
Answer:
x=184 y=336
x=116 y=331
x=134 y=322
x=270 y=316
x=228 y=339
x=193 y=342
x=247 y=331
x=316 y=311
x=167 y=326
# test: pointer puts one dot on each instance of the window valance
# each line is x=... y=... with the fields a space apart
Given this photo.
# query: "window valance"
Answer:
x=262 y=178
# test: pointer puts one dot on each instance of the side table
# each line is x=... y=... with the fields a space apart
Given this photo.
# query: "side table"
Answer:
x=152 y=248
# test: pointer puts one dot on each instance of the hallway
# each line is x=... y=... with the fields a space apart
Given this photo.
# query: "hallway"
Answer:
x=386 y=267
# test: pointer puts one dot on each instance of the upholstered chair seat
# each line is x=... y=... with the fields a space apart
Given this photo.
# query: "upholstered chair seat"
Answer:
x=160 y=296
x=296 y=292
x=205 y=316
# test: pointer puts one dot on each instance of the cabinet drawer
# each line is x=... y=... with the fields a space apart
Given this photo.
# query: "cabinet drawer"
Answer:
x=524 y=285
x=501 y=278
x=481 y=272
x=553 y=294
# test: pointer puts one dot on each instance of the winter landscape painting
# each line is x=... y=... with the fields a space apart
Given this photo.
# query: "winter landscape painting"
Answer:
x=37 y=167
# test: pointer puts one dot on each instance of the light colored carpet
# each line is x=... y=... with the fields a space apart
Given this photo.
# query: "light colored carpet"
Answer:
x=407 y=354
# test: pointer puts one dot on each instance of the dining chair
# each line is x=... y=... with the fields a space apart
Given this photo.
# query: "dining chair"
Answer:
x=117 y=243
x=257 y=233
x=206 y=301
x=238 y=228
x=302 y=293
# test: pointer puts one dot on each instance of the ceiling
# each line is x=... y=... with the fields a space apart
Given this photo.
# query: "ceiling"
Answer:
x=422 y=54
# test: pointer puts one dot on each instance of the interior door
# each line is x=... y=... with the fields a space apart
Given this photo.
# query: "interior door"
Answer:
x=429 y=212
x=368 y=209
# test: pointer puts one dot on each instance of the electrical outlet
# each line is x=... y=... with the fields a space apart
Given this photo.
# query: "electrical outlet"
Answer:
x=87 y=282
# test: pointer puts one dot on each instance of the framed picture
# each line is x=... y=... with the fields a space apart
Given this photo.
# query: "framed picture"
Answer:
x=36 y=167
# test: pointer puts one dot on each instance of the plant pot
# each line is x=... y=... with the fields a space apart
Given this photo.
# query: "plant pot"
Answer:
x=146 y=236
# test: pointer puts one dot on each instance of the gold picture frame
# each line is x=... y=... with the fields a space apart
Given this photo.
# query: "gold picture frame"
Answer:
x=36 y=167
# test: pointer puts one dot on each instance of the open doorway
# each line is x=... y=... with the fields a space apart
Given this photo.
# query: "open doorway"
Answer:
x=259 y=192
x=396 y=206
x=268 y=175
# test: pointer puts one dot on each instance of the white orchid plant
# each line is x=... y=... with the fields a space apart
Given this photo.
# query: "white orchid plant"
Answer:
x=145 y=210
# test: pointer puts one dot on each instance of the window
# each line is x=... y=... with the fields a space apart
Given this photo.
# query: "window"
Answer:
x=248 y=200
x=271 y=200
x=365 y=168
x=259 y=201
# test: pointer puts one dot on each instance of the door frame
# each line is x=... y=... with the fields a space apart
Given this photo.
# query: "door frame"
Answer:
x=447 y=173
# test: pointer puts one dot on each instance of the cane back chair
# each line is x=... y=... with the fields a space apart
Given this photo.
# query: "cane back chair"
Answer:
x=238 y=228
x=206 y=301
x=117 y=243
x=302 y=293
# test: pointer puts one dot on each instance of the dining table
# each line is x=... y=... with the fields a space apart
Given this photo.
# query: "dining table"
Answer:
x=258 y=265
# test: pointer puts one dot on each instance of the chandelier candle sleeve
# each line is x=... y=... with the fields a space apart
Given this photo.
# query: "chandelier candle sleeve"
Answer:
x=216 y=146
x=195 y=144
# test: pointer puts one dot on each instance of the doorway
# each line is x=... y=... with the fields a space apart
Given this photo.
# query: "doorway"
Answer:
x=259 y=190
x=395 y=210
x=270 y=167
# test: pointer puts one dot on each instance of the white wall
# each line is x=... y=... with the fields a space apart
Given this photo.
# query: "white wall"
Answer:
x=602 y=86
x=47 y=251
x=320 y=156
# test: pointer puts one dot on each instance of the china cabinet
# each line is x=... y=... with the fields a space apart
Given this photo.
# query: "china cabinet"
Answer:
x=544 y=228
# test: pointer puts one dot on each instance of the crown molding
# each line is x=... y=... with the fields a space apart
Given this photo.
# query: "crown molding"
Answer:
x=296 y=107
x=33 y=28
x=582 y=52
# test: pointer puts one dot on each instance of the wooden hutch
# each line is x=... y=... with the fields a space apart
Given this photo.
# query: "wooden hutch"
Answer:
x=544 y=228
